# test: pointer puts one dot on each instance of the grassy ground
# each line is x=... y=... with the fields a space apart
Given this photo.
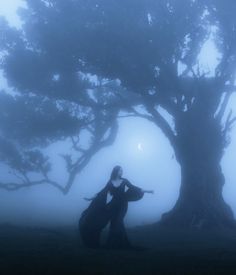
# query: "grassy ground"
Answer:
x=59 y=251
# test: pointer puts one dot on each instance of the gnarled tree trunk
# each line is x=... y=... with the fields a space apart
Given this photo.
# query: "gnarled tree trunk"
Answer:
x=200 y=148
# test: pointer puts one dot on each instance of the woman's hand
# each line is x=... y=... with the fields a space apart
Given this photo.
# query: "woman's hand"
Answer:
x=148 y=191
x=89 y=199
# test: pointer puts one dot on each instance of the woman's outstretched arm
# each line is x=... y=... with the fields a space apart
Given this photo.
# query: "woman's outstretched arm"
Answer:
x=90 y=199
x=130 y=185
x=104 y=190
x=148 y=191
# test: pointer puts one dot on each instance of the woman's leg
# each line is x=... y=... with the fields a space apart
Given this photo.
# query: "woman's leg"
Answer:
x=117 y=236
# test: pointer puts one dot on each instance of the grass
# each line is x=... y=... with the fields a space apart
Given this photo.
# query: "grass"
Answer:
x=60 y=251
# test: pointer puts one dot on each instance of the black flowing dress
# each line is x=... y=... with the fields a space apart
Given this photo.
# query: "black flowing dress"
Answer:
x=99 y=214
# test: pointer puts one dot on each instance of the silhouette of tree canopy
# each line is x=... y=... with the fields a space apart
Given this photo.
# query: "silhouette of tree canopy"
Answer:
x=144 y=53
x=30 y=123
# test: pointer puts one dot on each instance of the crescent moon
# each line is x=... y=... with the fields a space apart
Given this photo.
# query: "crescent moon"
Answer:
x=140 y=147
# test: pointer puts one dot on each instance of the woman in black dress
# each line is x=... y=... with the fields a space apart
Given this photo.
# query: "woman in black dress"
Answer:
x=100 y=213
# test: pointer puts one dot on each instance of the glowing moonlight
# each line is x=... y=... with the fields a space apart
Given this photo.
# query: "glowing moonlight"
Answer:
x=140 y=147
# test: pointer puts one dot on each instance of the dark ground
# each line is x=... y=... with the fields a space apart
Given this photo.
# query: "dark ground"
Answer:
x=59 y=251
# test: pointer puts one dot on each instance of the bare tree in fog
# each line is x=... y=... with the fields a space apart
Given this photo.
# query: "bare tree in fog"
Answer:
x=152 y=48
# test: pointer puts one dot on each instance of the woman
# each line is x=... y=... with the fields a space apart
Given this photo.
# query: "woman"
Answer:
x=99 y=212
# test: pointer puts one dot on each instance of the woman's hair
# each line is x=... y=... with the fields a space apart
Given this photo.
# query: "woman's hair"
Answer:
x=114 y=173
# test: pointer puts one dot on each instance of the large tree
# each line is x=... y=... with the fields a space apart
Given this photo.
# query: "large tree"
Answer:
x=50 y=100
x=31 y=123
x=150 y=51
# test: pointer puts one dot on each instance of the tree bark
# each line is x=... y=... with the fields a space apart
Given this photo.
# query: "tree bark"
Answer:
x=200 y=203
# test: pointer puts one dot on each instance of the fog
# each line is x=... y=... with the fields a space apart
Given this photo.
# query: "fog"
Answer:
x=140 y=148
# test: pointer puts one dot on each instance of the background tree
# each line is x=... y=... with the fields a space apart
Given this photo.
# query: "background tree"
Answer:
x=37 y=113
x=150 y=50
x=29 y=124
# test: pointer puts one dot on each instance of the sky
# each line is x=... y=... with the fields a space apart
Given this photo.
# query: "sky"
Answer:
x=140 y=148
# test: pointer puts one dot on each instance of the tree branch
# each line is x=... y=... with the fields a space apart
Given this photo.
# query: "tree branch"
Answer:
x=229 y=123
x=163 y=125
x=82 y=162
x=13 y=186
x=224 y=105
